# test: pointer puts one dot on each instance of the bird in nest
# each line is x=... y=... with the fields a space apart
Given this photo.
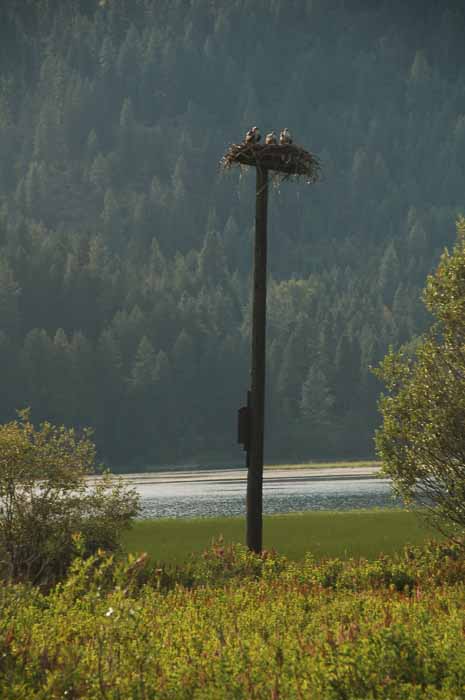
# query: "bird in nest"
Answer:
x=253 y=135
x=270 y=139
x=285 y=137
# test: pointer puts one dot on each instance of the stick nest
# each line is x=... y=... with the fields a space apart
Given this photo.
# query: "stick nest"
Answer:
x=283 y=161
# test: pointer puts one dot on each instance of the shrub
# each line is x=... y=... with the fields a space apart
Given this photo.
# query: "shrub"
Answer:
x=421 y=441
x=46 y=497
x=268 y=629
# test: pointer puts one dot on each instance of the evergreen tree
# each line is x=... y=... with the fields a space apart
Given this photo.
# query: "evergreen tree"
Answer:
x=389 y=271
x=37 y=368
x=61 y=403
x=10 y=293
x=144 y=369
x=316 y=401
x=111 y=217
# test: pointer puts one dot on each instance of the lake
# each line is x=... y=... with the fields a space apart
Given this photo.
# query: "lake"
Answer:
x=221 y=492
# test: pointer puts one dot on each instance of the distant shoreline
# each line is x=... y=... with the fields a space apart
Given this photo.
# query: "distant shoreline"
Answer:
x=286 y=473
x=186 y=468
x=327 y=465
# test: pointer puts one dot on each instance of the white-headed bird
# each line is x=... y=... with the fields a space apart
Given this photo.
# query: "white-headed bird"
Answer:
x=253 y=135
x=285 y=137
x=270 y=139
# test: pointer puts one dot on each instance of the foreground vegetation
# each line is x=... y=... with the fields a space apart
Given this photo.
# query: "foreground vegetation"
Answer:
x=230 y=624
x=366 y=533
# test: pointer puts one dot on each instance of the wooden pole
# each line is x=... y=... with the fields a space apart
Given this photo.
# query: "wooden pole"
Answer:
x=257 y=393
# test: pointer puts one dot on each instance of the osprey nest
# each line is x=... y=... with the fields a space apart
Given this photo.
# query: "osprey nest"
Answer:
x=284 y=161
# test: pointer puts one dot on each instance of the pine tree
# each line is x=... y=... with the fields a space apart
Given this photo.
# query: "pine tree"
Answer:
x=84 y=380
x=37 y=368
x=317 y=400
x=11 y=397
x=10 y=294
x=144 y=369
x=389 y=271
x=61 y=387
x=99 y=174
x=420 y=70
x=212 y=260
x=347 y=374
x=112 y=219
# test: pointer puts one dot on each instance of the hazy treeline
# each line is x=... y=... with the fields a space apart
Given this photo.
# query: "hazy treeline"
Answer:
x=125 y=257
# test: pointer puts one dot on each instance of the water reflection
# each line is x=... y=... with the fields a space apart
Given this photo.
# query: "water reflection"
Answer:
x=211 y=495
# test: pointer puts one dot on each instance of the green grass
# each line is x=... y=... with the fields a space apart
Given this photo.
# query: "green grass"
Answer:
x=326 y=465
x=208 y=464
x=326 y=534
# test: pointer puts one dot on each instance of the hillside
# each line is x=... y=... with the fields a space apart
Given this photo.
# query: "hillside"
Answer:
x=125 y=255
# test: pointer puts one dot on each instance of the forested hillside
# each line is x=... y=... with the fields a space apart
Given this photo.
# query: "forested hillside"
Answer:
x=125 y=255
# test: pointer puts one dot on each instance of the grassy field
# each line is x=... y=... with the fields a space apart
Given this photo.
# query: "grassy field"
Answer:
x=325 y=465
x=149 y=469
x=325 y=533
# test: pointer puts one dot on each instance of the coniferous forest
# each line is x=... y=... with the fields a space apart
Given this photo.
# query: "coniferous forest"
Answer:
x=125 y=255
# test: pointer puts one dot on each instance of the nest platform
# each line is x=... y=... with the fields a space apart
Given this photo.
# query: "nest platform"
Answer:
x=287 y=160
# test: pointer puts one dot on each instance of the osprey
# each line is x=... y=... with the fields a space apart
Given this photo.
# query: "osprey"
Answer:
x=253 y=135
x=270 y=139
x=285 y=137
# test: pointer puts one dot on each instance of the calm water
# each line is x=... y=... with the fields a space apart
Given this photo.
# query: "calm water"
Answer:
x=206 y=494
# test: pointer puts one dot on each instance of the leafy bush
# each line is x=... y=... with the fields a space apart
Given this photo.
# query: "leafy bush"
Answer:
x=46 y=497
x=266 y=629
x=421 y=441
x=222 y=565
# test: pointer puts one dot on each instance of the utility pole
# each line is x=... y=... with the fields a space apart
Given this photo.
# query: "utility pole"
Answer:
x=258 y=369
x=288 y=160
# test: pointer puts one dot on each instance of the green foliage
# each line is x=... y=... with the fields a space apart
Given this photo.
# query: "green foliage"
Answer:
x=390 y=629
x=224 y=563
x=421 y=441
x=46 y=499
